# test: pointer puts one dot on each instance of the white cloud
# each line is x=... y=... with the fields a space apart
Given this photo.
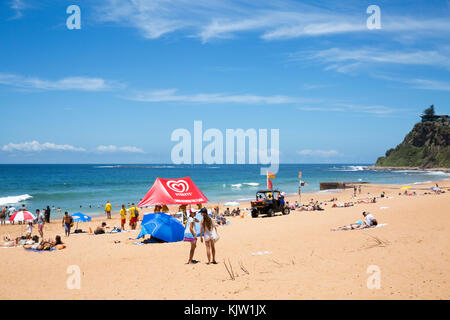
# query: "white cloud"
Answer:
x=170 y=95
x=348 y=60
x=318 y=153
x=18 y=6
x=415 y=83
x=35 y=146
x=112 y=148
x=69 y=83
x=273 y=20
x=345 y=107
x=430 y=84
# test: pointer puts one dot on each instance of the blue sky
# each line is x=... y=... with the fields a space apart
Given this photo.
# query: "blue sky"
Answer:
x=114 y=91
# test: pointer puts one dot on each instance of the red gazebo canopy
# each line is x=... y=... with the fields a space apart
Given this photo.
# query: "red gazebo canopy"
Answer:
x=173 y=191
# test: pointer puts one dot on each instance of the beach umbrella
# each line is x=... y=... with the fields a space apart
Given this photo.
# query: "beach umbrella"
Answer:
x=80 y=217
x=435 y=188
x=20 y=216
x=404 y=188
x=162 y=226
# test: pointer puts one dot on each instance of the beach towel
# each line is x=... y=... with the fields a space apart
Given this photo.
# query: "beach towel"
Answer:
x=377 y=226
x=35 y=250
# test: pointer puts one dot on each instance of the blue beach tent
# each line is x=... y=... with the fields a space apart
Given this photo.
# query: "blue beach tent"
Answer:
x=162 y=226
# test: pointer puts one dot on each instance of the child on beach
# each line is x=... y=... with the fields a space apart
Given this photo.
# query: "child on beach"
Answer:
x=192 y=236
x=209 y=230
x=40 y=220
x=29 y=230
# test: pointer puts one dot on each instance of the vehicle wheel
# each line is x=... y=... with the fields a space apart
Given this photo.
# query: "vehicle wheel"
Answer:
x=255 y=213
x=286 y=211
x=270 y=213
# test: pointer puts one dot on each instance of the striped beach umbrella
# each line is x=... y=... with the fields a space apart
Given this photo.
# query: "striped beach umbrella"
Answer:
x=20 y=216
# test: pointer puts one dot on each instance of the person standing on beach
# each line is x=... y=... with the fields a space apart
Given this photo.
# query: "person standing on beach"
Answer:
x=108 y=208
x=3 y=215
x=67 y=222
x=41 y=221
x=209 y=230
x=359 y=189
x=123 y=217
x=134 y=213
x=47 y=214
x=11 y=211
x=191 y=236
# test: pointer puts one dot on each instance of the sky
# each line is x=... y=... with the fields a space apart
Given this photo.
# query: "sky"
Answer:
x=115 y=90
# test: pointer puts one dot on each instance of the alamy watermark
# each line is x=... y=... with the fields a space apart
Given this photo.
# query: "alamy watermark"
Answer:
x=74 y=279
x=374 y=280
x=228 y=148
x=74 y=20
x=374 y=21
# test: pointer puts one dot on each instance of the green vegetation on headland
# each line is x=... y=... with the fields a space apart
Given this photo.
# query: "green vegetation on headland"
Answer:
x=426 y=146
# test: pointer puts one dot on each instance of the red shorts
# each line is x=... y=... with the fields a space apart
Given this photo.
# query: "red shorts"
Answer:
x=123 y=221
x=133 y=220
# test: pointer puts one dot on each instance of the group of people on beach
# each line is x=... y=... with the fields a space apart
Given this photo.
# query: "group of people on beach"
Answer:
x=208 y=235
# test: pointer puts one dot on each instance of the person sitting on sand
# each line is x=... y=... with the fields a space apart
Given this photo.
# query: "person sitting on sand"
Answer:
x=100 y=229
x=227 y=212
x=368 y=222
x=29 y=229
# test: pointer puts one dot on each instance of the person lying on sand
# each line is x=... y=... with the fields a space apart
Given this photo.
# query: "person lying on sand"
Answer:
x=47 y=244
x=368 y=222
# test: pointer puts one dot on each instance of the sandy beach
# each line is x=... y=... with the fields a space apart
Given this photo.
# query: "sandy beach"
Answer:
x=301 y=257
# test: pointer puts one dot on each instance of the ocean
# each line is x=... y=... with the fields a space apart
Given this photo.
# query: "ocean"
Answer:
x=86 y=188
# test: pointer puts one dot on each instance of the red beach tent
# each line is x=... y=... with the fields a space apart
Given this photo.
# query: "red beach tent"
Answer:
x=173 y=191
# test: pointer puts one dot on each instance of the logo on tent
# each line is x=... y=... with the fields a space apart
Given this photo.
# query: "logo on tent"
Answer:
x=178 y=186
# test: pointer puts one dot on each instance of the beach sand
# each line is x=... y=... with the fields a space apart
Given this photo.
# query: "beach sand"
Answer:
x=305 y=260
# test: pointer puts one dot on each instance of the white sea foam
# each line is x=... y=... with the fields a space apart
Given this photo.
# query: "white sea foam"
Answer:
x=14 y=199
x=330 y=191
x=101 y=167
x=253 y=184
x=349 y=168
x=422 y=182
x=249 y=184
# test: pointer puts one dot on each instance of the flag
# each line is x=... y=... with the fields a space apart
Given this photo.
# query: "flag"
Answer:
x=269 y=182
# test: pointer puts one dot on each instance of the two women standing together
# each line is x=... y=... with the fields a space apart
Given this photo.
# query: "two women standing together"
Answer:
x=208 y=231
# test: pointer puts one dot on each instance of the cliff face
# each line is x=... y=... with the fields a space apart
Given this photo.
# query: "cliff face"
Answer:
x=426 y=146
